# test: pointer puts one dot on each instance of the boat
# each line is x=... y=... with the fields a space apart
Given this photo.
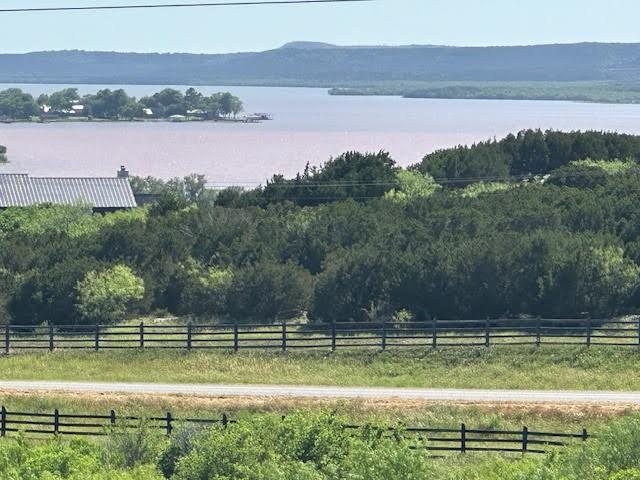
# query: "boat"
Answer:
x=262 y=116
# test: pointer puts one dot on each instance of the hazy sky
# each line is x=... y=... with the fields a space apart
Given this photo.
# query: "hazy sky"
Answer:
x=391 y=22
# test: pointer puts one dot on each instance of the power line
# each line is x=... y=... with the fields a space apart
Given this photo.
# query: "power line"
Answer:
x=176 y=5
x=440 y=181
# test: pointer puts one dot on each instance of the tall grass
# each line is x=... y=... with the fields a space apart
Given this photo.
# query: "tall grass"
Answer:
x=578 y=368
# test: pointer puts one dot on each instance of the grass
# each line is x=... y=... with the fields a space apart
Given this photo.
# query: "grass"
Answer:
x=545 y=368
x=389 y=413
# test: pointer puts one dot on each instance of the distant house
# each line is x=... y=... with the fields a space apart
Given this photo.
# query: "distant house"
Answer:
x=103 y=194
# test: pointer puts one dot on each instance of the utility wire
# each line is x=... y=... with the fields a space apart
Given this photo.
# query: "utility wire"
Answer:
x=440 y=181
x=175 y=5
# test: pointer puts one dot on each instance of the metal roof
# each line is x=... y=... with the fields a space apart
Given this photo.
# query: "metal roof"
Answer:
x=20 y=190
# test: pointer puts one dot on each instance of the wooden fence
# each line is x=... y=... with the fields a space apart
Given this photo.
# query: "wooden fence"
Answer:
x=296 y=336
x=460 y=439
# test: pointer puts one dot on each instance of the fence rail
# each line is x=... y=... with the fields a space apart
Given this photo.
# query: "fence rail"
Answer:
x=460 y=439
x=296 y=336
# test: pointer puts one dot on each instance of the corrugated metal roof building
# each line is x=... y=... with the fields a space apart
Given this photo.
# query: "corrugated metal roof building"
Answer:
x=103 y=194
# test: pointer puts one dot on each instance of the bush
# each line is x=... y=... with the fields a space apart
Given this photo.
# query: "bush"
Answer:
x=62 y=460
x=613 y=454
x=128 y=447
x=268 y=291
x=205 y=291
x=106 y=296
x=630 y=474
x=304 y=446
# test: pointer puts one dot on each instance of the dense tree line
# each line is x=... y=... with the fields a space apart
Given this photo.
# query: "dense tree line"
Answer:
x=118 y=105
x=380 y=243
x=530 y=152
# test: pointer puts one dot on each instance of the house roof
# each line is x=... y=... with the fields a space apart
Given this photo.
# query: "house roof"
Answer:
x=21 y=190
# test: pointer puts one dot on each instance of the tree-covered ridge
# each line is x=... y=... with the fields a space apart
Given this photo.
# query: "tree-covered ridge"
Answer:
x=109 y=104
x=330 y=65
x=596 y=91
x=356 y=239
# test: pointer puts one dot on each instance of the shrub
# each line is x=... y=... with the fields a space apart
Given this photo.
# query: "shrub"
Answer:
x=205 y=291
x=105 y=297
x=412 y=184
x=268 y=291
x=630 y=474
x=128 y=447
x=303 y=446
x=62 y=460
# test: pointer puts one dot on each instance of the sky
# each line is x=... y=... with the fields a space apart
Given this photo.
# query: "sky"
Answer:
x=383 y=22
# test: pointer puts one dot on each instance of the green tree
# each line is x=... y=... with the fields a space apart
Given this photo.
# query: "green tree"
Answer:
x=16 y=104
x=193 y=99
x=268 y=291
x=412 y=184
x=106 y=296
x=63 y=100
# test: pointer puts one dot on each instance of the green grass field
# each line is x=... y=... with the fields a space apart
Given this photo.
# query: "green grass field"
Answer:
x=598 y=368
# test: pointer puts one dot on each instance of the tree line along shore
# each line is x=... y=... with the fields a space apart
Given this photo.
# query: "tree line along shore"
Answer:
x=116 y=105
x=584 y=91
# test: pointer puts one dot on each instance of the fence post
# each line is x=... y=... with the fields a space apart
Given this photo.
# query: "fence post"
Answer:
x=333 y=336
x=463 y=438
x=525 y=440
x=589 y=331
x=434 y=333
x=141 y=334
x=97 y=338
x=236 y=339
x=487 y=333
x=189 y=336
x=169 y=424
x=7 y=333
x=585 y=435
x=284 y=336
x=112 y=418
x=383 y=336
x=538 y=331
x=56 y=421
x=225 y=420
x=639 y=331
x=3 y=422
x=51 y=338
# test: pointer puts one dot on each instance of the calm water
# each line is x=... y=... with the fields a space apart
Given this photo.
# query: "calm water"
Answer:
x=308 y=126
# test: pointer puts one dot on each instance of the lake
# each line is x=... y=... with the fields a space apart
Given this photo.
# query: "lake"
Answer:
x=309 y=126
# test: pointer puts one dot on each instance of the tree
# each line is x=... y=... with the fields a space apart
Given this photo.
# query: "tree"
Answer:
x=63 y=100
x=193 y=99
x=106 y=296
x=16 y=104
x=170 y=102
x=360 y=176
x=226 y=103
x=131 y=110
x=113 y=104
x=43 y=100
x=412 y=184
x=268 y=291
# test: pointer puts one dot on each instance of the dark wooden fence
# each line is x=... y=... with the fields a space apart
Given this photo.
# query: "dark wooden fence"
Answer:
x=460 y=439
x=295 y=336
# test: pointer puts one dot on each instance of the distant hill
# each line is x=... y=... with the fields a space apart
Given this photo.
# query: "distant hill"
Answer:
x=319 y=64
